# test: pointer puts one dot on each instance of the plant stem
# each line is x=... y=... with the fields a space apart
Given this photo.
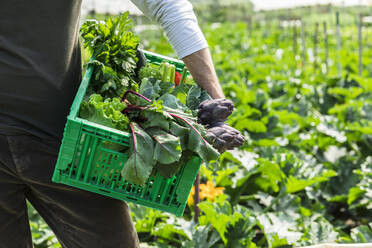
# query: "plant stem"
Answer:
x=179 y=117
x=134 y=93
x=134 y=146
x=184 y=75
x=131 y=107
x=196 y=199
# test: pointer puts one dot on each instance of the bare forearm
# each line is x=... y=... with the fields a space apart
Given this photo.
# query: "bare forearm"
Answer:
x=201 y=67
x=189 y=43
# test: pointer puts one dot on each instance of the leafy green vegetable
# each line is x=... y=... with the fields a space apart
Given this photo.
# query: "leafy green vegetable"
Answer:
x=113 y=47
x=169 y=170
x=167 y=146
x=148 y=89
x=107 y=113
x=181 y=132
x=196 y=141
x=150 y=71
x=173 y=102
x=162 y=123
x=141 y=161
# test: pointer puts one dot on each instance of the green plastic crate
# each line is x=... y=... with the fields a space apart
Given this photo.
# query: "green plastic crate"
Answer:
x=84 y=163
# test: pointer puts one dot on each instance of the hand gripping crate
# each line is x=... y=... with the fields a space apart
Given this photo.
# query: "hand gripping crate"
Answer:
x=84 y=163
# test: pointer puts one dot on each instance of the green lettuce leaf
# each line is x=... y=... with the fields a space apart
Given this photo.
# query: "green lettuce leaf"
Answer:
x=107 y=113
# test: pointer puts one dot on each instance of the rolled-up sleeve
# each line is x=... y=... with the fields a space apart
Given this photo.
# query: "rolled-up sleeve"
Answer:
x=179 y=22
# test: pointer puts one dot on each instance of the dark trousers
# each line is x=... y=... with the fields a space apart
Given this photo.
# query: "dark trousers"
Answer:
x=79 y=219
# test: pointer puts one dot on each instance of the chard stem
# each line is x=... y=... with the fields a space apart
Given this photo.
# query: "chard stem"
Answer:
x=134 y=147
x=188 y=123
x=131 y=107
x=134 y=93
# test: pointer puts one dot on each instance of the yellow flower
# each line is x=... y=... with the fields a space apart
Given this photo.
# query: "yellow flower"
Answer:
x=207 y=191
x=190 y=199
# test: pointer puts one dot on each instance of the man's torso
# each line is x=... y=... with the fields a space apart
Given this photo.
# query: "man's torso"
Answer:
x=39 y=65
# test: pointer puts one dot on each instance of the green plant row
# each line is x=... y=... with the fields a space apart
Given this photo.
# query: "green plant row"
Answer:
x=304 y=176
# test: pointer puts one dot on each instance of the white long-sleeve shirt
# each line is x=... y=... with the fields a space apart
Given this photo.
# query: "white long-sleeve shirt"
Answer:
x=179 y=22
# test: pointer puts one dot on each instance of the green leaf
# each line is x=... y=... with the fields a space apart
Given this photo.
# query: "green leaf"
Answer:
x=169 y=170
x=147 y=89
x=240 y=233
x=107 y=113
x=149 y=71
x=219 y=215
x=247 y=159
x=224 y=177
x=251 y=125
x=271 y=175
x=354 y=194
x=156 y=118
x=145 y=218
x=202 y=239
x=279 y=229
x=181 y=132
x=196 y=142
x=321 y=231
x=168 y=232
x=192 y=99
x=140 y=163
x=181 y=91
x=167 y=146
x=164 y=87
x=362 y=234
x=207 y=152
x=194 y=139
x=294 y=184
x=171 y=101
x=199 y=145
